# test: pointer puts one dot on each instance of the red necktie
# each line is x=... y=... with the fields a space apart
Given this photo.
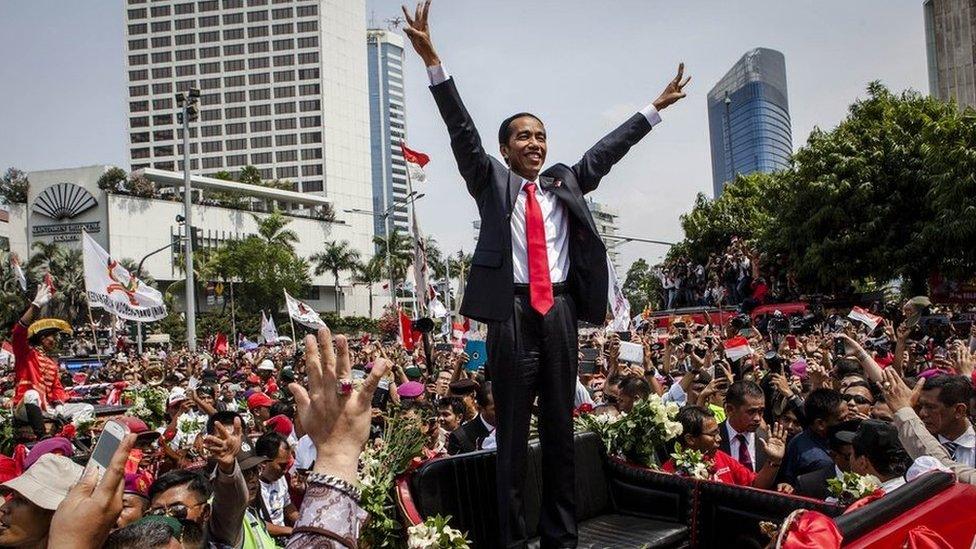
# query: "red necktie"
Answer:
x=744 y=457
x=540 y=285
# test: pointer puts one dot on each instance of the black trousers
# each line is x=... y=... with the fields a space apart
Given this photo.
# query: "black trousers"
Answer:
x=532 y=355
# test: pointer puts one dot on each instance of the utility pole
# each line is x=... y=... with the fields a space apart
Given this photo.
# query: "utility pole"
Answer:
x=189 y=105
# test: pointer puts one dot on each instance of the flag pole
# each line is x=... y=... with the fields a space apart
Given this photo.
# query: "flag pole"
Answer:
x=91 y=323
x=290 y=319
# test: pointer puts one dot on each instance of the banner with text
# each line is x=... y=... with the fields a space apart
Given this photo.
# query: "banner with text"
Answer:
x=110 y=286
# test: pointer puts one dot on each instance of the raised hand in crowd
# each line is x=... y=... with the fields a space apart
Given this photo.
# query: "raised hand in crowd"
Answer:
x=418 y=31
x=225 y=445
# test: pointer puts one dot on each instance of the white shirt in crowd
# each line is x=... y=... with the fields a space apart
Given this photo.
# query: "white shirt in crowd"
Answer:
x=305 y=454
x=734 y=444
x=276 y=498
x=554 y=215
x=966 y=447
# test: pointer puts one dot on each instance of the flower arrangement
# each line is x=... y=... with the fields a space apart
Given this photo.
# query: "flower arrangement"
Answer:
x=638 y=434
x=435 y=533
x=691 y=463
x=852 y=487
x=146 y=403
x=379 y=465
x=7 y=438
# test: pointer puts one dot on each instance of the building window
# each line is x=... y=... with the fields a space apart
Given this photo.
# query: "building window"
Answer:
x=257 y=63
x=138 y=75
x=308 y=89
x=281 y=13
x=140 y=59
x=138 y=13
x=162 y=119
x=284 y=76
x=185 y=55
x=285 y=124
x=259 y=95
x=261 y=158
x=139 y=44
x=236 y=144
x=185 y=85
x=285 y=140
x=163 y=135
x=140 y=153
x=208 y=21
x=260 y=126
x=311 y=137
x=261 y=142
x=286 y=44
x=210 y=115
x=312 y=105
x=138 y=106
x=284 y=60
x=162 y=104
x=259 y=78
x=311 y=154
x=231 y=4
x=212 y=36
x=287 y=171
x=162 y=87
x=139 y=28
x=286 y=156
x=166 y=150
x=139 y=122
x=235 y=112
x=161 y=42
x=235 y=129
x=308 y=42
x=209 y=83
x=234 y=65
x=162 y=72
x=212 y=146
x=236 y=160
x=233 y=81
x=306 y=58
x=209 y=68
x=234 y=49
x=234 y=97
x=308 y=26
x=257 y=47
x=136 y=91
x=306 y=11
x=284 y=108
x=308 y=74
x=213 y=162
x=311 y=121
x=314 y=169
x=234 y=34
x=160 y=26
x=255 y=32
x=312 y=186
x=185 y=39
x=233 y=18
x=159 y=11
x=186 y=70
x=142 y=137
x=184 y=24
x=257 y=16
x=161 y=57
x=282 y=28
x=252 y=3
x=284 y=91
x=260 y=110
x=183 y=9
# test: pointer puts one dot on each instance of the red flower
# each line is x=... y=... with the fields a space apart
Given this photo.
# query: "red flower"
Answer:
x=585 y=408
x=68 y=431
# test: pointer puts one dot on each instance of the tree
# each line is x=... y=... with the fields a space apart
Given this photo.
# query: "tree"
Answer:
x=336 y=257
x=14 y=187
x=66 y=267
x=272 y=230
x=400 y=252
x=249 y=175
x=141 y=186
x=112 y=179
x=13 y=300
x=368 y=274
x=641 y=287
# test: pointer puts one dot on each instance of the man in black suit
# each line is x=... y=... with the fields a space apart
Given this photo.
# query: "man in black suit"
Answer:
x=538 y=267
x=814 y=483
x=744 y=406
x=470 y=436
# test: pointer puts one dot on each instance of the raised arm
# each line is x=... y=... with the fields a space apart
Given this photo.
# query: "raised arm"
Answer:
x=597 y=161
x=472 y=160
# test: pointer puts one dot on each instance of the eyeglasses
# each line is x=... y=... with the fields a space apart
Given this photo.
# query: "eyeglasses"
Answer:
x=177 y=510
x=858 y=399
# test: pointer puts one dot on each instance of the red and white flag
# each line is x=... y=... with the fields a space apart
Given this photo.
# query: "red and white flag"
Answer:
x=415 y=164
x=18 y=272
x=459 y=333
x=737 y=348
x=861 y=315
x=408 y=336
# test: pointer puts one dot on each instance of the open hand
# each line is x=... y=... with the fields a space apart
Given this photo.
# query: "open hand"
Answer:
x=775 y=445
x=225 y=445
x=896 y=392
x=418 y=31
x=674 y=90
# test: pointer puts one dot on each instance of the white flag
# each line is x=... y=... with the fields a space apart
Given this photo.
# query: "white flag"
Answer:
x=18 y=272
x=861 y=315
x=619 y=305
x=303 y=314
x=268 y=330
x=436 y=308
x=110 y=286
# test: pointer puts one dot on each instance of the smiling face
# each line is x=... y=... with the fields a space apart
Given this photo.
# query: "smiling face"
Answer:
x=525 y=150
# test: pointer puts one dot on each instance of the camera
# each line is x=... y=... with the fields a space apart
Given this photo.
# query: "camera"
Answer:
x=740 y=322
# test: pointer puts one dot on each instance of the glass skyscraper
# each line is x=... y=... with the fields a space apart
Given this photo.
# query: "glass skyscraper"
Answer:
x=749 y=118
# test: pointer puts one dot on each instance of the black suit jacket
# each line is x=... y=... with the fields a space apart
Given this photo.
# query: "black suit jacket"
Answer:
x=726 y=444
x=814 y=483
x=467 y=437
x=490 y=288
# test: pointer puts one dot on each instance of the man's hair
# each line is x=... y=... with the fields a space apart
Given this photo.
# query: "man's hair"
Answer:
x=888 y=460
x=424 y=409
x=193 y=480
x=821 y=404
x=269 y=444
x=483 y=395
x=505 y=130
x=692 y=419
x=952 y=389
x=140 y=535
x=635 y=387
x=738 y=391
x=456 y=404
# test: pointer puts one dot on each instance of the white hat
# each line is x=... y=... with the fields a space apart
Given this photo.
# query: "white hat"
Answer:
x=266 y=365
x=47 y=482
x=176 y=394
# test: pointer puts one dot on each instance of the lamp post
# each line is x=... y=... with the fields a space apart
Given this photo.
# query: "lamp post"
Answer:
x=189 y=110
x=138 y=276
x=385 y=215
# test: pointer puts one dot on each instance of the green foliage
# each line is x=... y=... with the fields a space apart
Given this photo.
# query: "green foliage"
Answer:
x=14 y=187
x=111 y=179
x=367 y=274
x=641 y=287
x=337 y=257
x=400 y=254
x=66 y=267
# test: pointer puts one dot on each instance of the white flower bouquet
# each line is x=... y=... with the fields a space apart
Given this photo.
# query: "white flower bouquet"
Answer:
x=435 y=533
x=691 y=463
x=852 y=487
x=638 y=434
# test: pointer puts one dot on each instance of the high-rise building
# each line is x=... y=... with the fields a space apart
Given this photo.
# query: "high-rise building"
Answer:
x=950 y=44
x=283 y=87
x=605 y=218
x=749 y=118
x=387 y=126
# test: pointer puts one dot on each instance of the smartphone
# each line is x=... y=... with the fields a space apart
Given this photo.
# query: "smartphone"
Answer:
x=382 y=394
x=443 y=347
x=108 y=443
x=840 y=348
x=631 y=352
x=624 y=336
x=791 y=341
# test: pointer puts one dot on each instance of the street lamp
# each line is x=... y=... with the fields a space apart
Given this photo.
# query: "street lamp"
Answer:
x=189 y=105
x=138 y=275
x=385 y=215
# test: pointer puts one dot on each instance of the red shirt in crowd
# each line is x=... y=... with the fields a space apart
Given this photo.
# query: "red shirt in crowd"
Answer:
x=34 y=370
x=725 y=469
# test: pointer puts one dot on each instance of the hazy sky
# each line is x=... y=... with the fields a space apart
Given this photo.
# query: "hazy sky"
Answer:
x=582 y=66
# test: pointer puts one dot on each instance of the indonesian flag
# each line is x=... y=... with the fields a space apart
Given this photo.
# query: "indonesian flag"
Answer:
x=408 y=336
x=737 y=348
x=869 y=320
x=302 y=313
x=220 y=344
x=18 y=272
x=415 y=164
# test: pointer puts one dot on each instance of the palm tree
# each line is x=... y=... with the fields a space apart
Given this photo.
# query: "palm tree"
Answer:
x=400 y=252
x=367 y=274
x=272 y=230
x=44 y=254
x=338 y=256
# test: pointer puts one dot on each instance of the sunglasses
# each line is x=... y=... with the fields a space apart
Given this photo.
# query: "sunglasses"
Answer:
x=178 y=511
x=858 y=399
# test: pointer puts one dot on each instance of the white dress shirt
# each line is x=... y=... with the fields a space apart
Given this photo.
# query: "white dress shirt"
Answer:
x=966 y=447
x=734 y=444
x=554 y=214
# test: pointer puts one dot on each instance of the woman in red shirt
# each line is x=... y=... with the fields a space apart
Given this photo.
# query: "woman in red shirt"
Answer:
x=700 y=432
